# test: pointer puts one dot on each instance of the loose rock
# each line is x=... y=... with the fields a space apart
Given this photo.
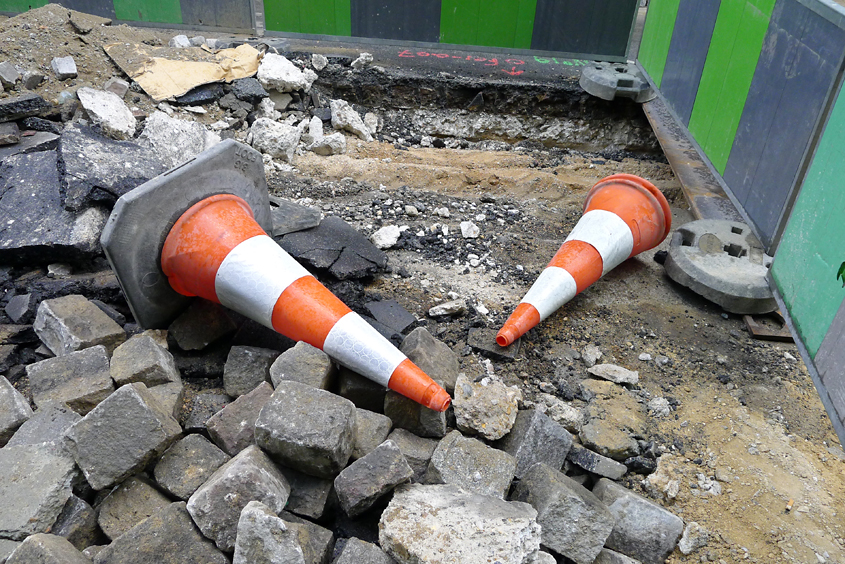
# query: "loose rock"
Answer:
x=345 y=118
x=46 y=548
x=304 y=364
x=14 y=411
x=408 y=414
x=471 y=465
x=81 y=379
x=356 y=551
x=142 y=359
x=176 y=141
x=47 y=425
x=535 y=438
x=78 y=524
x=127 y=505
x=366 y=480
x=615 y=374
x=386 y=237
x=694 y=538
x=233 y=427
x=187 y=464
x=276 y=139
x=107 y=110
x=487 y=408
x=372 y=430
x=278 y=73
x=263 y=538
x=64 y=67
x=71 y=323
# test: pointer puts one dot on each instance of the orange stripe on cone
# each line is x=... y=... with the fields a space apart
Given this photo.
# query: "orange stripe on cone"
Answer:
x=194 y=259
x=595 y=246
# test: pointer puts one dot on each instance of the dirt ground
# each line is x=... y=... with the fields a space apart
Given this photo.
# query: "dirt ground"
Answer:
x=744 y=411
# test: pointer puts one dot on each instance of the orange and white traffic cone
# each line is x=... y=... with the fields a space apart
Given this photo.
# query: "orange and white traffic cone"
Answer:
x=624 y=215
x=217 y=251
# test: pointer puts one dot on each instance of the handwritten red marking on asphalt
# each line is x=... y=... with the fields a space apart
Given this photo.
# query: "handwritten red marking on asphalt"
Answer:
x=513 y=71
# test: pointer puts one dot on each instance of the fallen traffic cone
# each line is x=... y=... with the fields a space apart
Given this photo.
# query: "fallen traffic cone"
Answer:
x=624 y=215
x=217 y=251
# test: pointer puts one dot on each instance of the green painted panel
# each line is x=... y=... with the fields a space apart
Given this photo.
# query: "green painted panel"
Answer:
x=734 y=50
x=318 y=17
x=812 y=249
x=491 y=23
x=19 y=6
x=657 y=35
x=165 y=11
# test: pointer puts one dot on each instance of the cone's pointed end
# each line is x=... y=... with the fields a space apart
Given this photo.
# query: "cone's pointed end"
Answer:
x=507 y=335
x=523 y=318
x=410 y=381
x=439 y=400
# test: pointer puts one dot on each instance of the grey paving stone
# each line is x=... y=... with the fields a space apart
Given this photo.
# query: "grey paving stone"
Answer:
x=263 y=538
x=202 y=324
x=47 y=424
x=128 y=504
x=317 y=542
x=202 y=407
x=233 y=427
x=643 y=529
x=187 y=464
x=308 y=429
x=433 y=356
x=216 y=506
x=25 y=105
x=72 y=323
x=372 y=430
x=7 y=547
x=305 y=364
x=363 y=392
x=487 y=408
x=356 y=551
x=43 y=548
x=481 y=529
x=470 y=464
x=35 y=484
x=336 y=246
x=366 y=480
x=14 y=411
x=169 y=397
x=416 y=450
x=575 y=522
x=308 y=494
x=167 y=537
x=142 y=359
x=121 y=435
x=408 y=414
x=78 y=524
x=596 y=463
x=116 y=86
x=607 y=556
x=536 y=438
x=64 y=67
x=80 y=379
x=9 y=75
x=246 y=368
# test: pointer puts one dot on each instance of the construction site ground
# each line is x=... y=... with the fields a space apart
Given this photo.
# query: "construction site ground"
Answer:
x=743 y=411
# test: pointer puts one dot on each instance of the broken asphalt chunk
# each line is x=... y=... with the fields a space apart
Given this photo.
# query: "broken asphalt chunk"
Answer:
x=25 y=105
x=289 y=217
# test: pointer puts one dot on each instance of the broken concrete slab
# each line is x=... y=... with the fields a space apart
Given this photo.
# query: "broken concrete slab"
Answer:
x=128 y=504
x=216 y=506
x=308 y=494
x=64 y=67
x=356 y=551
x=9 y=133
x=345 y=118
x=187 y=464
x=121 y=435
x=263 y=538
x=611 y=420
x=279 y=140
x=483 y=340
x=289 y=217
x=327 y=145
x=79 y=379
x=365 y=481
x=643 y=529
x=246 y=368
x=487 y=408
x=433 y=356
x=562 y=413
x=481 y=529
x=99 y=170
x=78 y=524
x=336 y=246
x=304 y=364
x=14 y=411
x=108 y=112
x=25 y=105
x=142 y=359
x=363 y=392
x=233 y=427
x=72 y=323
x=174 y=140
x=48 y=424
x=41 y=227
x=536 y=438
x=615 y=374
x=166 y=537
x=372 y=430
x=35 y=484
x=408 y=414
x=575 y=522
x=416 y=450
x=43 y=547
x=470 y=464
x=306 y=428
x=596 y=463
x=277 y=73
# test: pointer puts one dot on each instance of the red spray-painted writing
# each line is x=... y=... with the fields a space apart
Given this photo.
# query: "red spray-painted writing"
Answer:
x=508 y=66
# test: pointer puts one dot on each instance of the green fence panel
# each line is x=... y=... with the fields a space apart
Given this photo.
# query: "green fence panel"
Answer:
x=490 y=23
x=317 y=17
x=166 y=11
x=813 y=246
x=657 y=36
x=728 y=71
x=18 y=6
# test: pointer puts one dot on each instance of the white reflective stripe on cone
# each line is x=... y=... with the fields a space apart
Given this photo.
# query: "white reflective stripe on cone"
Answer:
x=608 y=234
x=253 y=276
x=356 y=345
x=553 y=288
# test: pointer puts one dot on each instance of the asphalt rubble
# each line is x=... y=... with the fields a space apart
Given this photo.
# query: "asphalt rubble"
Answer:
x=217 y=440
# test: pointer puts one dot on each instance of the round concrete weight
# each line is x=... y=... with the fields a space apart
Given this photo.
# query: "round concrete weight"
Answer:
x=141 y=219
x=615 y=80
x=724 y=262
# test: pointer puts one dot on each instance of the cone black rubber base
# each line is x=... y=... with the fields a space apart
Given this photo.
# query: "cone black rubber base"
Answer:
x=141 y=219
